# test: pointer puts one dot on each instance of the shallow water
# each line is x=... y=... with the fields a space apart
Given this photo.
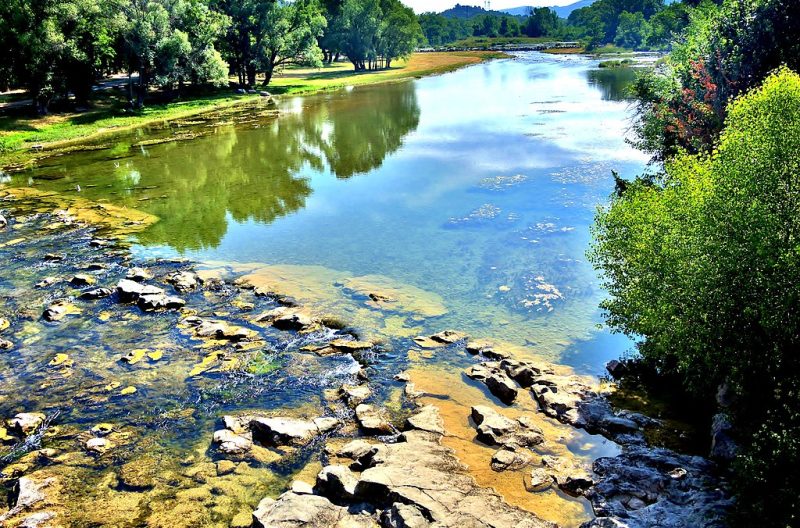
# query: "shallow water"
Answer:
x=478 y=186
x=465 y=198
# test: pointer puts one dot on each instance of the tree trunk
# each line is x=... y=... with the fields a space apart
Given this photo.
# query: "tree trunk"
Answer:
x=251 y=75
x=268 y=75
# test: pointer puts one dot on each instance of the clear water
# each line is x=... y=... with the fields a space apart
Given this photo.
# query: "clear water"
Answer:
x=479 y=186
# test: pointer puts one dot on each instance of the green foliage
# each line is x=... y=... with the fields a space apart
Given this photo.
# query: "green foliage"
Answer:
x=543 y=21
x=631 y=30
x=726 y=51
x=375 y=32
x=702 y=264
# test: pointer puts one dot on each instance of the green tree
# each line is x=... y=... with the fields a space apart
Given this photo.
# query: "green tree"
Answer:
x=542 y=22
x=400 y=33
x=631 y=30
x=360 y=27
x=286 y=33
x=702 y=265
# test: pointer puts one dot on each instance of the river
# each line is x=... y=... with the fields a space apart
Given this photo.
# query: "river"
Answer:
x=469 y=196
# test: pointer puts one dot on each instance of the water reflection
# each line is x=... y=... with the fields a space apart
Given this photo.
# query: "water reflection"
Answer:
x=252 y=173
x=614 y=83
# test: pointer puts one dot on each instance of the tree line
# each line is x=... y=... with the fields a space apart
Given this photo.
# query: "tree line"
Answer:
x=633 y=24
x=61 y=47
x=700 y=255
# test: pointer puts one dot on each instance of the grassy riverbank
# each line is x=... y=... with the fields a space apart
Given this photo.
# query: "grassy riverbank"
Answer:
x=23 y=138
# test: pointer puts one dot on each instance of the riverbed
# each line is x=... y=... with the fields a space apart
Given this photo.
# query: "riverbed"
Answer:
x=462 y=201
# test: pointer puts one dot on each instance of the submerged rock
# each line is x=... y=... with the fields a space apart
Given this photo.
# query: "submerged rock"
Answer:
x=354 y=395
x=94 y=294
x=57 y=310
x=99 y=445
x=82 y=279
x=496 y=380
x=26 y=423
x=292 y=510
x=426 y=419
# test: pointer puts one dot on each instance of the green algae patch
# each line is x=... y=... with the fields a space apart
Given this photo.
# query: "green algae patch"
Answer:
x=378 y=307
x=110 y=219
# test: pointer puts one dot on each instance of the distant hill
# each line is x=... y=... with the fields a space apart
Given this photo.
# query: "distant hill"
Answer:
x=466 y=12
x=562 y=11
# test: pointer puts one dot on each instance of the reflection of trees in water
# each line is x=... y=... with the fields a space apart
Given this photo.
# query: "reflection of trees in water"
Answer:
x=614 y=83
x=256 y=175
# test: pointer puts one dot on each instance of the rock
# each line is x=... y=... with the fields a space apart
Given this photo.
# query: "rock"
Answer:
x=138 y=275
x=280 y=431
x=5 y=345
x=103 y=429
x=225 y=467
x=99 y=445
x=232 y=443
x=130 y=291
x=496 y=380
x=184 y=281
x=372 y=420
x=496 y=429
x=538 y=480
x=301 y=488
x=350 y=345
x=336 y=482
x=222 y=330
x=139 y=473
x=56 y=311
x=616 y=369
x=82 y=279
x=293 y=510
x=427 y=419
x=26 y=423
x=285 y=318
x=647 y=486
x=355 y=395
x=503 y=387
x=46 y=282
x=510 y=459
x=97 y=293
x=37 y=520
x=31 y=491
x=3 y=222
x=449 y=337
x=570 y=475
x=160 y=301
x=356 y=450
x=419 y=472
x=522 y=372
x=53 y=257
x=723 y=446
x=485 y=349
x=404 y=516
x=4 y=323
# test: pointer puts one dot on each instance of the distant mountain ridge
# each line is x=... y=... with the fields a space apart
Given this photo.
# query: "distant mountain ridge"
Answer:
x=466 y=12
x=561 y=11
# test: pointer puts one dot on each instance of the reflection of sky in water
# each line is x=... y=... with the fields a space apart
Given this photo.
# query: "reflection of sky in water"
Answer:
x=418 y=154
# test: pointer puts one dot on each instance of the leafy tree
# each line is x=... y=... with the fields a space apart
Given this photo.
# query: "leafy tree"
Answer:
x=400 y=33
x=631 y=30
x=543 y=21
x=727 y=51
x=287 y=33
x=702 y=264
x=360 y=26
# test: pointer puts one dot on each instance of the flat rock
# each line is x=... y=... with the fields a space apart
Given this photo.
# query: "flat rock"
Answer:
x=426 y=419
x=570 y=475
x=82 y=279
x=98 y=445
x=130 y=291
x=354 y=395
x=336 y=482
x=449 y=337
x=280 y=431
x=160 y=301
x=293 y=510
x=138 y=275
x=184 y=281
x=57 y=311
x=512 y=459
x=373 y=420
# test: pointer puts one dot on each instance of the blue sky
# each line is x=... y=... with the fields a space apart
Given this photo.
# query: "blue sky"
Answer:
x=421 y=6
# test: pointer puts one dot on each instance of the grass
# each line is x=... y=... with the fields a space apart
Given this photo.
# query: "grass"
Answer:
x=20 y=133
x=339 y=75
x=609 y=49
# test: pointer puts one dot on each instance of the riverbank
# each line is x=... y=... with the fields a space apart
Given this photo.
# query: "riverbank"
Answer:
x=24 y=140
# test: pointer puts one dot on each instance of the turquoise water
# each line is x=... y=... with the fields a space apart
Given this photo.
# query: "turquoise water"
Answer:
x=478 y=185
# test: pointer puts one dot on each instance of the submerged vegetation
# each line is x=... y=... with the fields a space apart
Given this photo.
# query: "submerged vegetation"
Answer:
x=700 y=259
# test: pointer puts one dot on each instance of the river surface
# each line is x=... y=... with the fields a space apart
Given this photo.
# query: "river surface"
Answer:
x=468 y=197
x=478 y=186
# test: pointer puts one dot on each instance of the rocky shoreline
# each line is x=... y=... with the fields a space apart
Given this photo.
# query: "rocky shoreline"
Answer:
x=364 y=464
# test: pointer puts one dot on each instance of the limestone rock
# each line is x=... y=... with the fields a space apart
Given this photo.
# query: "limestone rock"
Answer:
x=292 y=510
x=184 y=281
x=373 y=420
x=356 y=450
x=449 y=337
x=280 y=431
x=336 y=482
x=159 y=301
x=82 y=279
x=571 y=476
x=539 y=479
x=404 y=516
x=427 y=419
x=496 y=429
x=130 y=291
x=496 y=380
x=57 y=310
x=232 y=443
x=138 y=275
x=354 y=395
x=99 y=445
x=510 y=459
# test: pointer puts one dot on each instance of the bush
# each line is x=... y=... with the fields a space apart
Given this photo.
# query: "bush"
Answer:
x=703 y=263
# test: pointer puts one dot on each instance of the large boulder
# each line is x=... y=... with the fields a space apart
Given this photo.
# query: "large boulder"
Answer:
x=130 y=291
x=336 y=482
x=496 y=429
x=373 y=420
